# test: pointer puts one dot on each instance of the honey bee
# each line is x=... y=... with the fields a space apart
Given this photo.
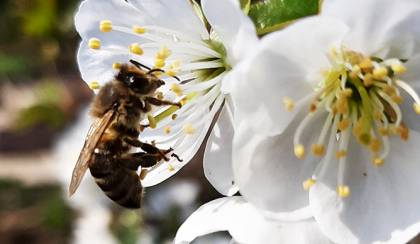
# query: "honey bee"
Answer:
x=118 y=108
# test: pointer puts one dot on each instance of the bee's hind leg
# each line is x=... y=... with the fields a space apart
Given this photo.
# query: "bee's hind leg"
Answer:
x=134 y=160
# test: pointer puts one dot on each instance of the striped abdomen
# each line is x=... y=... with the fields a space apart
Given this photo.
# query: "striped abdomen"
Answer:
x=119 y=184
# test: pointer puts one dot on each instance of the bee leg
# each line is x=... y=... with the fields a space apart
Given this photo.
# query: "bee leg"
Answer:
x=177 y=157
x=158 y=102
x=149 y=148
x=134 y=160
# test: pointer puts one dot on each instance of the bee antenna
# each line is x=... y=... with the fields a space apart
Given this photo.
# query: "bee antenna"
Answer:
x=139 y=65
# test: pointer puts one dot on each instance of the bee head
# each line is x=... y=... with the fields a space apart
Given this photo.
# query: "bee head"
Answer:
x=139 y=81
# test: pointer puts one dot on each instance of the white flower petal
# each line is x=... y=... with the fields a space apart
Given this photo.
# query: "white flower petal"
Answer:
x=373 y=23
x=234 y=28
x=246 y=225
x=173 y=14
x=268 y=173
x=382 y=207
x=284 y=71
x=217 y=160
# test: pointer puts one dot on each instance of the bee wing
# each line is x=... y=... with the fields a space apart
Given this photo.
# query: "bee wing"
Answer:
x=94 y=134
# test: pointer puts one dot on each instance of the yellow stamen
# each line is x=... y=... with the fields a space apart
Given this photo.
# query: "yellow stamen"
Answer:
x=356 y=70
x=312 y=107
x=366 y=64
x=375 y=145
x=390 y=90
x=175 y=88
x=138 y=30
x=416 y=108
x=343 y=191
x=170 y=72
x=116 y=65
x=346 y=93
x=380 y=73
x=403 y=132
x=318 y=149
x=105 y=26
x=167 y=129
x=341 y=153
x=299 y=151
x=94 y=43
x=288 y=104
x=343 y=124
x=398 y=68
x=378 y=161
x=368 y=80
x=383 y=131
x=94 y=85
x=159 y=63
x=163 y=53
x=152 y=121
x=174 y=116
x=136 y=49
x=171 y=167
x=397 y=99
x=377 y=115
x=308 y=183
x=188 y=129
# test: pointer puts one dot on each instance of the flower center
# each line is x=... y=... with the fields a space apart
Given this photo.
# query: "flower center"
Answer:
x=198 y=66
x=362 y=97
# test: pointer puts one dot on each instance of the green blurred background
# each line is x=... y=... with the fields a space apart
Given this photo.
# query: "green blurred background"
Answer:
x=42 y=121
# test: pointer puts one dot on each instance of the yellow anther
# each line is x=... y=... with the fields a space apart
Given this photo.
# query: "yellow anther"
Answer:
x=366 y=64
x=375 y=145
x=343 y=191
x=390 y=90
x=346 y=93
x=378 y=161
x=380 y=73
x=343 y=124
x=171 y=167
x=288 y=104
x=308 y=183
x=318 y=149
x=143 y=174
x=170 y=72
x=188 y=129
x=183 y=101
x=174 y=116
x=398 y=68
x=403 y=132
x=368 y=80
x=342 y=106
x=356 y=70
x=312 y=107
x=138 y=30
x=377 y=115
x=116 y=65
x=299 y=151
x=163 y=53
x=175 y=88
x=167 y=129
x=416 y=108
x=152 y=121
x=383 y=131
x=94 y=85
x=340 y=154
x=136 y=49
x=397 y=99
x=159 y=63
x=105 y=26
x=94 y=43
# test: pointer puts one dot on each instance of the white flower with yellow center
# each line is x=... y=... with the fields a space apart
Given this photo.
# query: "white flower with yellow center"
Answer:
x=335 y=111
x=168 y=35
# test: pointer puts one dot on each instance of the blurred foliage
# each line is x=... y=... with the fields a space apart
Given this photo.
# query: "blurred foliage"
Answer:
x=46 y=110
x=127 y=226
x=271 y=15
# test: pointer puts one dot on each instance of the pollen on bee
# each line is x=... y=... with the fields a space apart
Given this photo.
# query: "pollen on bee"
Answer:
x=343 y=191
x=159 y=95
x=167 y=129
x=318 y=149
x=94 y=43
x=105 y=26
x=308 y=183
x=136 y=49
x=175 y=88
x=143 y=174
x=188 y=129
x=416 y=108
x=378 y=161
x=299 y=151
x=152 y=121
x=116 y=65
x=138 y=30
x=94 y=85
x=380 y=73
x=288 y=104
